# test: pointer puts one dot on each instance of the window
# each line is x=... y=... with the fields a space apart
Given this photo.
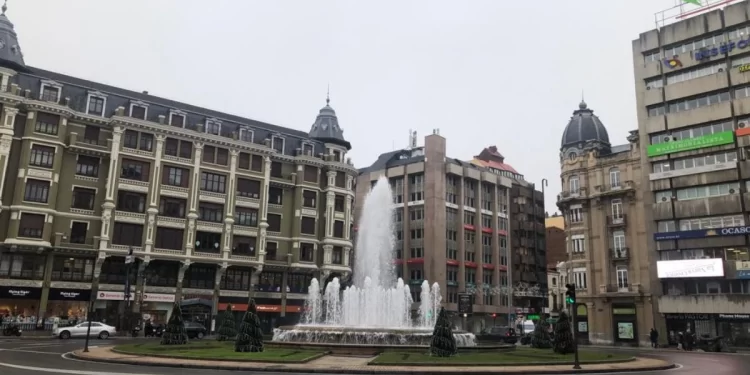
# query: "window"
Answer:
x=31 y=226
x=42 y=156
x=276 y=170
x=469 y=218
x=416 y=187
x=256 y=163
x=83 y=199
x=703 y=160
x=618 y=240
x=242 y=245
x=700 y=101
x=91 y=134
x=213 y=182
x=622 y=277
x=169 y=238
x=709 y=191
x=246 y=135
x=275 y=195
x=131 y=202
x=693 y=132
x=338 y=255
x=174 y=147
x=470 y=276
x=78 y=230
x=666 y=226
x=579 y=278
x=130 y=139
x=573 y=185
x=200 y=276
x=95 y=106
x=272 y=249
x=416 y=252
x=575 y=215
x=134 y=170
x=243 y=161
x=617 y=213
x=248 y=188
x=451 y=189
x=72 y=269
x=311 y=174
x=340 y=180
x=578 y=244
x=36 y=191
x=207 y=242
x=486 y=221
x=338 y=229
x=172 y=207
x=710 y=222
x=308 y=225
x=146 y=142
x=138 y=111
x=46 y=123
x=215 y=155
x=274 y=222
x=415 y=274
x=338 y=203
x=308 y=149
x=308 y=198
x=176 y=119
x=50 y=94
x=27 y=266
x=614 y=178
x=236 y=279
x=213 y=127
x=247 y=217
x=174 y=176
x=277 y=143
x=210 y=212
x=306 y=252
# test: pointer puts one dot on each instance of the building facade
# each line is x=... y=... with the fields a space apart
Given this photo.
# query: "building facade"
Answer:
x=452 y=227
x=693 y=102
x=608 y=260
x=213 y=207
x=556 y=240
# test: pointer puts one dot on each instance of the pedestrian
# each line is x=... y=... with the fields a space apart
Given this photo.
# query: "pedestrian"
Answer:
x=654 y=338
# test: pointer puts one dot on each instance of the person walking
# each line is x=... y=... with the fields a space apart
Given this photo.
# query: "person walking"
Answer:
x=654 y=338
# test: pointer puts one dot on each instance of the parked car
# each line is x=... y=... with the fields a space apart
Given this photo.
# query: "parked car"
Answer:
x=195 y=330
x=98 y=329
x=500 y=334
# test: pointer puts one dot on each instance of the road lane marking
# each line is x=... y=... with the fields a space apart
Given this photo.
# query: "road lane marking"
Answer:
x=26 y=351
x=62 y=371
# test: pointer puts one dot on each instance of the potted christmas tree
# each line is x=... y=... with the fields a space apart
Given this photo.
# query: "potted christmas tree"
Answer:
x=250 y=336
x=563 y=336
x=540 y=338
x=227 y=328
x=174 y=333
x=443 y=344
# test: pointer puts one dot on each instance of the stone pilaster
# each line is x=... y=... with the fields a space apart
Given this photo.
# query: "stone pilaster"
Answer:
x=97 y=271
x=348 y=218
x=194 y=192
x=284 y=287
x=263 y=226
x=180 y=277
x=327 y=254
x=111 y=187
x=153 y=201
x=330 y=199
x=6 y=139
x=140 y=278
x=217 y=290
x=47 y=281
x=254 y=279
x=231 y=197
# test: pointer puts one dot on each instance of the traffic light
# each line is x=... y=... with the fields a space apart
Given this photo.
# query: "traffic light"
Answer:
x=570 y=294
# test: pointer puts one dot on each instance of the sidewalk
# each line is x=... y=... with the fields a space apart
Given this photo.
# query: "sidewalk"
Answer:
x=352 y=365
x=739 y=351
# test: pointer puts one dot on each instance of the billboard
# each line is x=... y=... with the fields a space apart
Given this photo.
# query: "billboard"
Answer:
x=672 y=269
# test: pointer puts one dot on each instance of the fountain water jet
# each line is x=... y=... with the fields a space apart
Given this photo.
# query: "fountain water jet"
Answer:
x=373 y=310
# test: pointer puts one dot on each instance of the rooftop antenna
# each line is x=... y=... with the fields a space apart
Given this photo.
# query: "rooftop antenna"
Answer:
x=5 y=6
x=328 y=91
x=414 y=139
x=408 y=145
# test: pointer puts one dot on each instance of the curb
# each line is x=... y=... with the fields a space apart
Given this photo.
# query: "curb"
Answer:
x=647 y=351
x=279 y=369
x=519 y=364
x=167 y=356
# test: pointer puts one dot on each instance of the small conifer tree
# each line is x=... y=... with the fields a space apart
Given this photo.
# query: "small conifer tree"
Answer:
x=227 y=329
x=563 y=336
x=540 y=338
x=443 y=344
x=174 y=333
x=250 y=336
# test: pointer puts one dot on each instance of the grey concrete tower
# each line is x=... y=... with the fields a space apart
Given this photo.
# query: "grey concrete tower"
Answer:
x=10 y=50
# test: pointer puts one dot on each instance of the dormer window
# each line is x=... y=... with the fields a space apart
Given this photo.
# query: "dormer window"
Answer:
x=138 y=110
x=96 y=104
x=213 y=127
x=337 y=155
x=177 y=119
x=307 y=149
x=246 y=135
x=50 y=93
x=277 y=143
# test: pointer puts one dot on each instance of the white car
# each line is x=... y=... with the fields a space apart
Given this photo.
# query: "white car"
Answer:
x=100 y=330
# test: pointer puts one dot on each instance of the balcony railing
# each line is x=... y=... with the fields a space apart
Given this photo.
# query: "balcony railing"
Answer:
x=620 y=288
x=621 y=253
x=616 y=220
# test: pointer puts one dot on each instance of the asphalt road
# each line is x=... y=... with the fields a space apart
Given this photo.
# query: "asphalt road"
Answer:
x=25 y=357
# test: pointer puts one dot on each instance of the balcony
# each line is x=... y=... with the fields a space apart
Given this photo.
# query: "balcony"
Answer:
x=616 y=221
x=620 y=289
x=620 y=254
x=623 y=187
x=566 y=196
x=98 y=147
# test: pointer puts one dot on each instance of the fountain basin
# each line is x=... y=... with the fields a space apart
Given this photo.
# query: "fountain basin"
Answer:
x=340 y=335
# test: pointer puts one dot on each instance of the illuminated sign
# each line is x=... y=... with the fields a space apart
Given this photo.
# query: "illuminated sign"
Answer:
x=744 y=68
x=671 y=269
x=702 y=233
x=666 y=148
x=707 y=53
x=673 y=62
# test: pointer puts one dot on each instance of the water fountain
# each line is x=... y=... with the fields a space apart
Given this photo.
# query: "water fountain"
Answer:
x=373 y=311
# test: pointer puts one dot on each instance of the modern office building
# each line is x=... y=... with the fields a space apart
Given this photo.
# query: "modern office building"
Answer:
x=692 y=82
x=452 y=227
x=213 y=206
x=608 y=259
x=556 y=239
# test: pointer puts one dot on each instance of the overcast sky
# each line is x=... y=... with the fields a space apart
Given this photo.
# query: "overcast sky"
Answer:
x=495 y=72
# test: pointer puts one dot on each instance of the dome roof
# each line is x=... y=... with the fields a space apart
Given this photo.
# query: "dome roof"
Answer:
x=326 y=127
x=10 y=50
x=584 y=129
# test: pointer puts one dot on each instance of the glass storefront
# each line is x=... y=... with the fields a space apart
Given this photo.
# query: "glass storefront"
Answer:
x=68 y=305
x=625 y=324
x=19 y=304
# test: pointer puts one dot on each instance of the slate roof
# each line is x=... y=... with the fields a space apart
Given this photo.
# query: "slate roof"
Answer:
x=584 y=127
x=10 y=50
x=326 y=127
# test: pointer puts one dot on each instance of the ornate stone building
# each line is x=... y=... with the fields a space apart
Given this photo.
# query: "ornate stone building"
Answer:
x=213 y=206
x=608 y=258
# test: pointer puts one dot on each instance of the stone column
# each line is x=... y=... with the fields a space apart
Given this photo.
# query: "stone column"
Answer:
x=6 y=139
x=348 y=218
x=263 y=226
x=231 y=198
x=97 y=271
x=284 y=283
x=180 y=277
x=194 y=191
x=46 y=285
x=217 y=290
x=111 y=187
x=139 y=285
x=153 y=202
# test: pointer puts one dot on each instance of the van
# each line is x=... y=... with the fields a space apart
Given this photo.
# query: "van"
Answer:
x=527 y=327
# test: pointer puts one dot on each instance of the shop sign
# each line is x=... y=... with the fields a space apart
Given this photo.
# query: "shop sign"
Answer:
x=112 y=296
x=734 y=317
x=742 y=265
x=680 y=316
x=707 y=53
x=56 y=294
x=666 y=148
x=744 y=68
x=464 y=304
x=261 y=308
x=742 y=274
x=623 y=311
x=153 y=297
x=14 y=292
x=703 y=233
x=670 y=269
